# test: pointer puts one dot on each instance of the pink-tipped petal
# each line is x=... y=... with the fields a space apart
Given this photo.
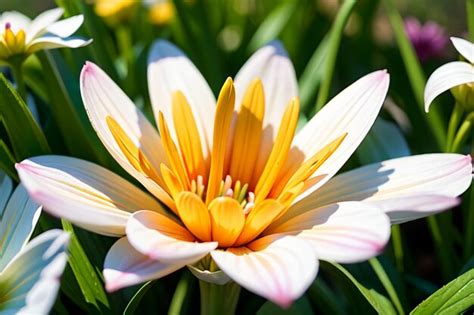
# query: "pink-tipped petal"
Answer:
x=446 y=77
x=82 y=192
x=277 y=268
x=464 y=47
x=353 y=111
x=103 y=98
x=162 y=239
x=387 y=183
x=124 y=267
x=169 y=70
x=345 y=232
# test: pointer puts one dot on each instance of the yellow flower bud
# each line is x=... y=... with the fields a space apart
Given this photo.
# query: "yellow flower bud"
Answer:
x=161 y=13
x=115 y=11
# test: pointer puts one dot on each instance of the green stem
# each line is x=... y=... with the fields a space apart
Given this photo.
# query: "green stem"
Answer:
x=463 y=133
x=19 y=80
x=385 y=280
x=397 y=247
x=179 y=296
x=218 y=299
x=334 y=41
x=442 y=249
x=456 y=115
x=470 y=18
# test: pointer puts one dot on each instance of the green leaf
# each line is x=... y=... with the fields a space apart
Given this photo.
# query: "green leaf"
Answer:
x=324 y=298
x=136 y=298
x=454 y=298
x=333 y=47
x=415 y=74
x=181 y=293
x=62 y=109
x=86 y=276
x=377 y=301
x=299 y=307
x=273 y=24
x=376 y=148
x=7 y=161
x=26 y=137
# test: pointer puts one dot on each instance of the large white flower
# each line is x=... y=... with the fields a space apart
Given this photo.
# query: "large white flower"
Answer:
x=21 y=36
x=29 y=272
x=452 y=74
x=244 y=186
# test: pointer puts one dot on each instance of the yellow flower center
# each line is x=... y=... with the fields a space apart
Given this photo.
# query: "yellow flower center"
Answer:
x=228 y=197
x=11 y=43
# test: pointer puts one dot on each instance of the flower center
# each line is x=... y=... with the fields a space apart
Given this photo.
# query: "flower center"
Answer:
x=11 y=43
x=234 y=194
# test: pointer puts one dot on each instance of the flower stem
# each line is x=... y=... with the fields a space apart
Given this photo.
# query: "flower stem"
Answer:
x=385 y=280
x=18 y=77
x=463 y=133
x=397 y=247
x=456 y=115
x=218 y=299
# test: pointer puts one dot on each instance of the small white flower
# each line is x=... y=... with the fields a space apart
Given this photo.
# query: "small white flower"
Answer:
x=21 y=36
x=29 y=273
x=452 y=74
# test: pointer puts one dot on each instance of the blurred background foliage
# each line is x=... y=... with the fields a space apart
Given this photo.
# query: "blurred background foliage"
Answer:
x=219 y=36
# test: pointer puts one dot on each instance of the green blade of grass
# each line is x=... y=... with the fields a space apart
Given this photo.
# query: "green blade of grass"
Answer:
x=387 y=284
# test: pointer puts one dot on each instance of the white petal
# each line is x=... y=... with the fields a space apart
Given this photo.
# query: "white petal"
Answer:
x=271 y=65
x=147 y=233
x=84 y=193
x=411 y=207
x=464 y=47
x=17 y=224
x=217 y=277
x=345 y=232
x=6 y=187
x=52 y=41
x=353 y=111
x=446 y=77
x=102 y=98
x=124 y=267
x=169 y=70
x=17 y=21
x=41 y=22
x=386 y=182
x=31 y=281
x=279 y=269
x=66 y=27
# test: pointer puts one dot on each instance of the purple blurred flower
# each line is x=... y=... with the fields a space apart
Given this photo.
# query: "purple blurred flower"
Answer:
x=428 y=40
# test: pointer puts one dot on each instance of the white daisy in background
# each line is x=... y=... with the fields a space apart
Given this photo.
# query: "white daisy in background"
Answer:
x=241 y=186
x=20 y=36
x=29 y=271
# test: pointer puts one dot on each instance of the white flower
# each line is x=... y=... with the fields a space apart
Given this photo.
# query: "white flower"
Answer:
x=247 y=189
x=452 y=74
x=21 y=36
x=29 y=272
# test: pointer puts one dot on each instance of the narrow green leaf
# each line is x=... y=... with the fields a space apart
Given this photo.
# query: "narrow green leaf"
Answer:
x=454 y=298
x=299 y=307
x=181 y=293
x=62 y=109
x=415 y=74
x=7 y=161
x=26 y=137
x=470 y=18
x=273 y=24
x=86 y=276
x=136 y=298
x=376 y=300
x=324 y=298
x=333 y=47
x=313 y=73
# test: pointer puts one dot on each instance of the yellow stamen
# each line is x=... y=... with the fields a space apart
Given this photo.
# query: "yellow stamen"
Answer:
x=258 y=219
x=188 y=136
x=222 y=121
x=247 y=135
x=279 y=151
x=307 y=168
x=174 y=157
x=227 y=220
x=194 y=214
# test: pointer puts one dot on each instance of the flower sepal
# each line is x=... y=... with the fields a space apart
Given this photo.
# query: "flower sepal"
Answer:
x=464 y=96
